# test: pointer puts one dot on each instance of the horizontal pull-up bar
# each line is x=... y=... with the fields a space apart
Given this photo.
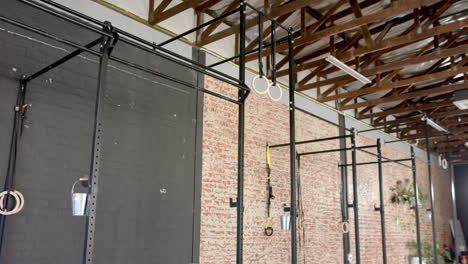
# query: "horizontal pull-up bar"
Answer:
x=374 y=162
x=335 y=150
x=50 y=11
x=321 y=118
x=199 y=27
x=309 y=141
x=323 y=151
x=62 y=60
x=167 y=77
x=48 y=35
x=164 y=53
x=380 y=128
x=281 y=40
x=386 y=159
x=402 y=140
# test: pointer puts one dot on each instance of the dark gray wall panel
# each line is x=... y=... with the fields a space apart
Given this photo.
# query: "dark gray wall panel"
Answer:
x=146 y=185
x=149 y=145
x=54 y=151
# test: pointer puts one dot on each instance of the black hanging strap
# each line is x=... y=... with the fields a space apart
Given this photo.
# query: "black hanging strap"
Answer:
x=273 y=52
x=260 y=44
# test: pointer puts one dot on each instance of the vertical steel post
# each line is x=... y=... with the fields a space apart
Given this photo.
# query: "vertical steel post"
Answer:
x=105 y=50
x=16 y=131
x=382 y=201
x=452 y=194
x=416 y=205
x=241 y=128
x=344 y=188
x=292 y=141
x=431 y=193
x=355 y=196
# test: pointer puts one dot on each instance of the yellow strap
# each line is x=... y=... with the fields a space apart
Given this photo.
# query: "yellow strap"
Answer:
x=268 y=222
x=268 y=155
x=268 y=160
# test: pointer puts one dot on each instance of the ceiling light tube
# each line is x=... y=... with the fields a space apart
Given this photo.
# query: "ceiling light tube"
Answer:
x=342 y=66
x=434 y=124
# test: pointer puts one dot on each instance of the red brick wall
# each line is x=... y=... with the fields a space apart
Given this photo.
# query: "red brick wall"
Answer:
x=267 y=121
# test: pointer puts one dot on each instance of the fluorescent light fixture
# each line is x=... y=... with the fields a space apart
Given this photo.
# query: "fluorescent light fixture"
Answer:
x=466 y=144
x=461 y=104
x=342 y=66
x=460 y=99
x=434 y=124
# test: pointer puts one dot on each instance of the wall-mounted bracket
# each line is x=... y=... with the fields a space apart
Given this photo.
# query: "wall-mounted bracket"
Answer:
x=232 y=204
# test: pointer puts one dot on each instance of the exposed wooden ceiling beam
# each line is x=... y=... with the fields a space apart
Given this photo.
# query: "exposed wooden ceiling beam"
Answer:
x=157 y=18
x=364 y=28
x=438 y=54
x=409 y=81
x=290 y=7
x=211 y=28
x=408 y=95
x=395 y=9
x=422 y=107
x=390 y=43
x=207 y=5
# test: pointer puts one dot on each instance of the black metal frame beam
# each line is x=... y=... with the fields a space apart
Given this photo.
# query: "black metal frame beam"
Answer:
x=355 y=197
x=18 y=118
x=381 y=209
x=376 y=162
x=431 y=193
x=416 y=205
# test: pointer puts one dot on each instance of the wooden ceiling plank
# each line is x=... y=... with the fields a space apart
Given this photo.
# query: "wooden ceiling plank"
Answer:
x=207 y=5
x=401 y=6
x=211 y=28
x=364 y=28
x=290 y=7
x=422 y=107
x=438 y=54
x=173 y=11
x=409 y=95
x=424 y=78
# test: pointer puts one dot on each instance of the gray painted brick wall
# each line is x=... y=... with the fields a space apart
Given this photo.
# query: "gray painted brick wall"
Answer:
x=149 y=145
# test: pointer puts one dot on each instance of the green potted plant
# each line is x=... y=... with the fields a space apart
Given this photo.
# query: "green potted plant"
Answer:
x=427 y=252
x=403 y=193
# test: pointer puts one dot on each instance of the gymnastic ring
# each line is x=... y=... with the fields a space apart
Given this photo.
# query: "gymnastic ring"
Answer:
x=19 y=202
x=280 y=90
x=269 y=231
x=444 y=164
x=344 y=227
x=267 y=82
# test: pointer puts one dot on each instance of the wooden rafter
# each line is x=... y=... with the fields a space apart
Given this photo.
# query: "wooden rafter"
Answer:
x=211 y=28
x=157 y=18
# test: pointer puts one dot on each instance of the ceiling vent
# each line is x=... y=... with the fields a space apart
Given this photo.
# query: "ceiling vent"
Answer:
x=460 y=99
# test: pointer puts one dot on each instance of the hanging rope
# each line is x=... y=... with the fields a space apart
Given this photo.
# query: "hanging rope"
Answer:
x=268 y=223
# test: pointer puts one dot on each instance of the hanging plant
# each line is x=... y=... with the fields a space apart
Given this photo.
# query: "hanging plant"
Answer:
x=403 y=193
